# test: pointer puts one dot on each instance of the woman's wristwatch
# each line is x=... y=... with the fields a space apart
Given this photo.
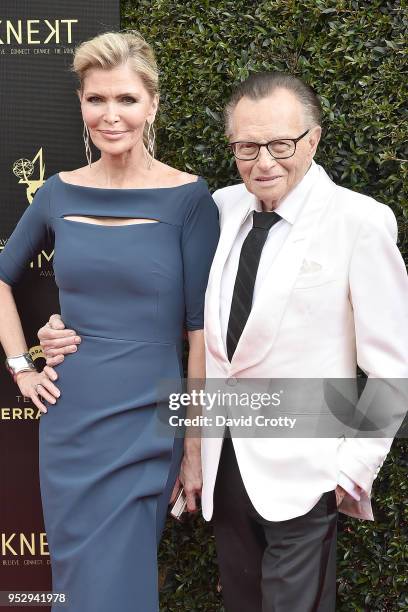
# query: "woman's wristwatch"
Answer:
x=21 y=363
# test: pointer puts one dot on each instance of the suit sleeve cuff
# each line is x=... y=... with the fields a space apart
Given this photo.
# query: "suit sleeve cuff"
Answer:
x=349 y=485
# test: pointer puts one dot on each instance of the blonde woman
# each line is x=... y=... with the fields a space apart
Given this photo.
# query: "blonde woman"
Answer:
x=134 y=240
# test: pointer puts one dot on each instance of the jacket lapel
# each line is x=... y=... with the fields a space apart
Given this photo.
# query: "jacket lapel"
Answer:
x=264 y=320
x=229 y=230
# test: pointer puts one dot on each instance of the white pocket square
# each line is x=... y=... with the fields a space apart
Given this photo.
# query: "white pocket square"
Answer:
x=310 y=266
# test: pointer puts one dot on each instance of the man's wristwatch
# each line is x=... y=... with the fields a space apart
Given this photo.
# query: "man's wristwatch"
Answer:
x=21 y=363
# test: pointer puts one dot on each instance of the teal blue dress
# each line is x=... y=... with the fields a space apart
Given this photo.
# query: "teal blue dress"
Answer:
x=106 y=473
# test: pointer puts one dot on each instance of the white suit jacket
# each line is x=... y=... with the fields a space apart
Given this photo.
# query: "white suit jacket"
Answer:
x=311 y=321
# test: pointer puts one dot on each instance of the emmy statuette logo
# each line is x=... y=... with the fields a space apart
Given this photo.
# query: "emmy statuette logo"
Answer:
x=23 y=169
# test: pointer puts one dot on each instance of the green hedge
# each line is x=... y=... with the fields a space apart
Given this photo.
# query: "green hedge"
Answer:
x=352 y=53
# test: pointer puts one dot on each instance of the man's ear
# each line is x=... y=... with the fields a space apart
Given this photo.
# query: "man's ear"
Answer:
x=314 y=139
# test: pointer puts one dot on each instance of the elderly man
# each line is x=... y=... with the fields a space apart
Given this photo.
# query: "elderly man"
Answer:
x=307 y=282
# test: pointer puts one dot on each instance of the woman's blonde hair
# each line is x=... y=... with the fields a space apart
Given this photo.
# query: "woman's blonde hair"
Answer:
x=114 y=49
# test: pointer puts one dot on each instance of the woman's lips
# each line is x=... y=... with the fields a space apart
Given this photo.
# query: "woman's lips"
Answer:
x=112 y=135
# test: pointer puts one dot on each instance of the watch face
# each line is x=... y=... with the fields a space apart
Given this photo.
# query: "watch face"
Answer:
x=16 y=364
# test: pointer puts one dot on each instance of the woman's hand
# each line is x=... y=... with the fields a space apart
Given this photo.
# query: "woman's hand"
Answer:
x=39 y=384
x=56 y=341
x=190 y=472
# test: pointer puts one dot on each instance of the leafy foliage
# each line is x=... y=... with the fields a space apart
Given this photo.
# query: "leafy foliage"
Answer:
x=354 y=54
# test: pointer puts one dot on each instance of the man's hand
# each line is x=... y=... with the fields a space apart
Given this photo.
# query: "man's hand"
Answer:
x=56 y=341
x=340 y=493
x=190 y=472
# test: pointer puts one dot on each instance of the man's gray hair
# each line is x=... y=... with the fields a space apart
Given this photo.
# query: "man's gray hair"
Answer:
x=260 y=85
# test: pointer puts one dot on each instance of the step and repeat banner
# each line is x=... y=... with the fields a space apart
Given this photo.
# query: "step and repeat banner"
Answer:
x=40 y=134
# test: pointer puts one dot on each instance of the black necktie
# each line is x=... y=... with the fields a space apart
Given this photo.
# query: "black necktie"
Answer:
x=245 y=281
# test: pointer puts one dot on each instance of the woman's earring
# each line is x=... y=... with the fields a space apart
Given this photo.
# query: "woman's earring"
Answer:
x=151 y=139
x=88 y=152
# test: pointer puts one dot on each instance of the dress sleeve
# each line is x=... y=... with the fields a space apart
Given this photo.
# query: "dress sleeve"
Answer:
x=199 y=241
x=29 y=234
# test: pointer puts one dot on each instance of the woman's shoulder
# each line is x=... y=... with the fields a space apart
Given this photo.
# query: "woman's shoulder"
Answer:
x=167 y=176
x=186 y=189
x=43 y=193
x=78 y=176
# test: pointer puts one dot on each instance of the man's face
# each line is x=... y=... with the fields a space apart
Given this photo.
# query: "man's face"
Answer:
x=277 y=116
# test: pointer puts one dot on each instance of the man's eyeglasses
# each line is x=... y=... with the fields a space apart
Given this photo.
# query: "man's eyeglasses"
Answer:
x=279 y=149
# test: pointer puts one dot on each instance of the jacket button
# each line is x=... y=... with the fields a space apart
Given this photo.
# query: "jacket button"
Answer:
x=231 y=382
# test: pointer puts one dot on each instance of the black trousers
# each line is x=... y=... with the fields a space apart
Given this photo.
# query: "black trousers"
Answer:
x=265 y=566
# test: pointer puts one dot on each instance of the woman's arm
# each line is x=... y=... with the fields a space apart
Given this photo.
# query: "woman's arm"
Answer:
x=190 y=472
x=199 y=240
x=14 y=344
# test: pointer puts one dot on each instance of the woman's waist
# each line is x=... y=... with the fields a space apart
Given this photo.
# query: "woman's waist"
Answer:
x=119 y=329
x=121 y=362
x=136 y=320
x=107 y=336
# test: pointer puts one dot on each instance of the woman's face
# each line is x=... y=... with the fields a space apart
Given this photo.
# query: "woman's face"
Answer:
x=115 y=106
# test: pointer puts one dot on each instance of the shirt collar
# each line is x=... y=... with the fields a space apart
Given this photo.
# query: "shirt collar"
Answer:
x=291 y=206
